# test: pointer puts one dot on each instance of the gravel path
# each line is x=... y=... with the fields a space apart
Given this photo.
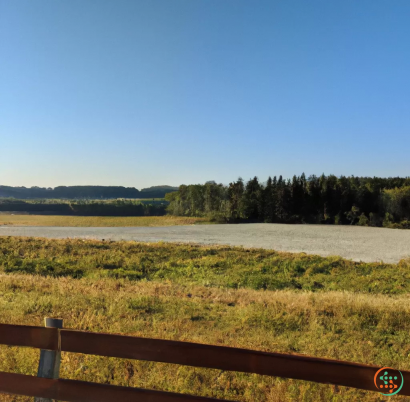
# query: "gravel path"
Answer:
x=352 y=242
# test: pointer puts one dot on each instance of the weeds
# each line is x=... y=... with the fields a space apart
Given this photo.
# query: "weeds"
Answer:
x=248 y=298
x=362 y=328
x=216 y=266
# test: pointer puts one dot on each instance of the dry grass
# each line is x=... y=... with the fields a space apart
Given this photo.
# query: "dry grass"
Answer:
x=355 y=327
x=97 y=221
x=212 y=295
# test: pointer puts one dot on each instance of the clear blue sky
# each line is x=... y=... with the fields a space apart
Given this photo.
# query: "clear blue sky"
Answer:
x=149 y=92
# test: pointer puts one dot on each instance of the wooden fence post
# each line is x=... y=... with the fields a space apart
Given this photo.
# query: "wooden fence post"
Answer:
x=49 y=365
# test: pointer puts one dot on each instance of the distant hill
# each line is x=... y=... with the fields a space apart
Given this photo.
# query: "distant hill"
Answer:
x=166 y=189
x=84 y=192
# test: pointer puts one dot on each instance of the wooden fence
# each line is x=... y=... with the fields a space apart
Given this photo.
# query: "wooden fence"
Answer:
x=191 y=354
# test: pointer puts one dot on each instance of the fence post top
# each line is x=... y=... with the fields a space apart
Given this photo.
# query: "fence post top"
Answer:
x=53 y=322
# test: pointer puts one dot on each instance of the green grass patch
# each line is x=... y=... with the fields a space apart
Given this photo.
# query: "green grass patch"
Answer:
x=217 y=266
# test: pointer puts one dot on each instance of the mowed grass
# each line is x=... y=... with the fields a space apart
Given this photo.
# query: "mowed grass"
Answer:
x=97 y=221
x=250 y=298
x=354 y=327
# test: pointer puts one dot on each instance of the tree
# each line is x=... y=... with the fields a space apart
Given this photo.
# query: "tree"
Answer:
x=283 y=200
x=298 y=198
x=235 y=197
x=269 y=196
x=315 y=199
x=353 y=215
x=252 y=197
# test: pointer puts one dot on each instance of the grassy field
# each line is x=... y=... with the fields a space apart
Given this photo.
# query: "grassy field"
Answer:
x=257 y=299
x=216 y=266
x=97 y=221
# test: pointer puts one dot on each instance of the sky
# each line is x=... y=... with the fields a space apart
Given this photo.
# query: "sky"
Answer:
x=151 y=92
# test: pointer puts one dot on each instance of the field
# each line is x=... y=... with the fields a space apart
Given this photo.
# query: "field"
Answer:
x=251 y=298
x=352 y=242
x=96 y=221
x=219 y=266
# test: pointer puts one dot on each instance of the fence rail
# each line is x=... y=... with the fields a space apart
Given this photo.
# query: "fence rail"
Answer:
x=184 y=353
x=80 y=391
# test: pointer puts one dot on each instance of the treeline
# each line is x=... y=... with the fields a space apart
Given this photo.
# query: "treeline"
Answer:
x=85 y=208
x=84 y=192
x=326 y=199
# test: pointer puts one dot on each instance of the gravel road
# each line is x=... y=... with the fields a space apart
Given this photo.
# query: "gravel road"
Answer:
x=352 y=242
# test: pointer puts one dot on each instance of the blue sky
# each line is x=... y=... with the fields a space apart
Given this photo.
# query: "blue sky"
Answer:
x=150 y=92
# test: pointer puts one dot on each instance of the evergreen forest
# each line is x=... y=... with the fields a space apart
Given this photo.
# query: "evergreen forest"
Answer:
x=321 y=199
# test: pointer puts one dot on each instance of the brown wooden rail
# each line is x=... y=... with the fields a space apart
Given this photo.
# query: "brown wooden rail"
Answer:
x=80 y=391
x=199 y=355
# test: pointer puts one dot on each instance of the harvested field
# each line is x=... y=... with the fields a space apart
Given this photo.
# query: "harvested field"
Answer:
x=351 y=242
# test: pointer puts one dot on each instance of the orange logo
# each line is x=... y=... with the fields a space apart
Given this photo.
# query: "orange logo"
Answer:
x=388 y=381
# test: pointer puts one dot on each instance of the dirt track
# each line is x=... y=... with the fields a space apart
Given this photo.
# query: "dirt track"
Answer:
x=356 y=243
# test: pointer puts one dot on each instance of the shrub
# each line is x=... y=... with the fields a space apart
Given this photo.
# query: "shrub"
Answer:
x=363 y=220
